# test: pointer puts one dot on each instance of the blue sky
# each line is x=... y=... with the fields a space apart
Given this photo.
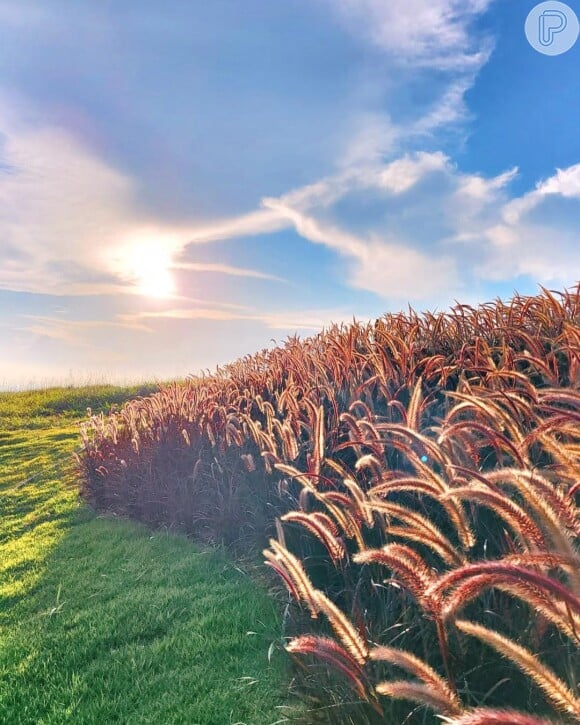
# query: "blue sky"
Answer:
x=183 y=182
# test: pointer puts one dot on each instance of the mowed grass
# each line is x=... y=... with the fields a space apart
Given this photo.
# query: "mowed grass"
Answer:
x=104 y=621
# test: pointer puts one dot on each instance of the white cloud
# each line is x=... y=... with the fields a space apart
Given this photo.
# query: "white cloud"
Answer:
x=515 y=209
x=58 y=204
x=546 y=254
x=440 y=232
x=373 y=138
x=433 y=33
x=401 y=175
x=433 y=43
x=70 y=223
x=261 y=221
x=537 y=234
x=482 y=190
x=392 y=268
x=565 y=182
x=448 y=110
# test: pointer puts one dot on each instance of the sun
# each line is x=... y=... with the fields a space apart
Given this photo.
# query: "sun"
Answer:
x=153 y=276
x=146 y=261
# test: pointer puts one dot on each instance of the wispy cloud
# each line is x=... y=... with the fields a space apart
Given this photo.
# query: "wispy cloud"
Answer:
x=430 y=43
x=537 y=234
x=435 y=231
x=433 y=33
x=226 y=269
x=70 y=224
x=81 y=333
x=564 y=183
x=287 y=320
x=261 y=221
x=79 y=228
x=380 y=262
x=75 y=333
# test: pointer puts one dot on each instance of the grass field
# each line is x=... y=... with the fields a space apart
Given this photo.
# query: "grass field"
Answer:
x=103 y=621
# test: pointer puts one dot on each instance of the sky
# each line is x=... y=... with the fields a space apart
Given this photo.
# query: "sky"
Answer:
x=186 y=182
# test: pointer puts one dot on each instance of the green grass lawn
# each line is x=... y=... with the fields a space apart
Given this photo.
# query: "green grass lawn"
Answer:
x=103 y=621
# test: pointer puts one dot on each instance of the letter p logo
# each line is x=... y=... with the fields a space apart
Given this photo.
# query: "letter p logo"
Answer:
x=552 y=28
x=551 y=23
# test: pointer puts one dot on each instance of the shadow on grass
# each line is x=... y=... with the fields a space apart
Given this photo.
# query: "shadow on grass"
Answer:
x=129 y=627
x=104 y=621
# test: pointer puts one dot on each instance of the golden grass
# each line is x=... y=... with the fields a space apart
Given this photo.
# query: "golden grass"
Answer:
x=439 y=453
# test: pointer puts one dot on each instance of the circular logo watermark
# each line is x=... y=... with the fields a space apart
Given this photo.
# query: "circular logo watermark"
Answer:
x=552 y=28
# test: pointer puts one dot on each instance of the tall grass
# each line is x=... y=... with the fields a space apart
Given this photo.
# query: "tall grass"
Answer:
x=417 y=479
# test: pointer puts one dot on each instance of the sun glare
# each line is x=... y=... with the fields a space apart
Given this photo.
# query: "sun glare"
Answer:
x=148 y=263
x=153 y=277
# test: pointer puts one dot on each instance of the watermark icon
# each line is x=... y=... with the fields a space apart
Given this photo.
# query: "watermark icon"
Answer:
x=552 y=28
